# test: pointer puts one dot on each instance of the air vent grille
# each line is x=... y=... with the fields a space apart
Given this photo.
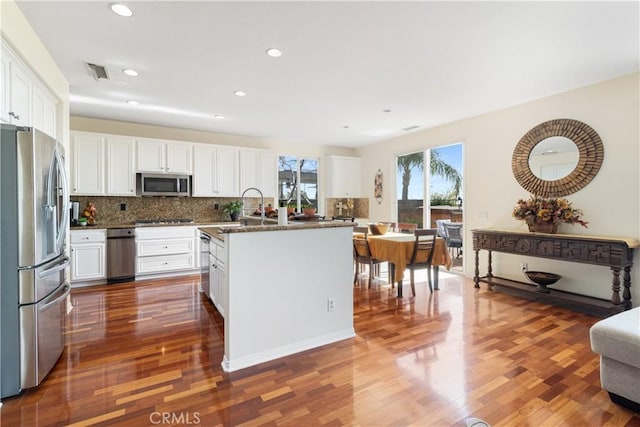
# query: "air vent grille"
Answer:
x=97 y=71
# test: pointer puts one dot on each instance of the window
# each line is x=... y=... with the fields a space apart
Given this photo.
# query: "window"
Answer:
x=297 y=182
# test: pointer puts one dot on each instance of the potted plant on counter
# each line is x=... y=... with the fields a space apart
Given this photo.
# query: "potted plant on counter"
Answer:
x=233 y=208
x=308 y=210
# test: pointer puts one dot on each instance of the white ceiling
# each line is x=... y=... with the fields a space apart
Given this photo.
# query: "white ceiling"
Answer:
x=343 y=63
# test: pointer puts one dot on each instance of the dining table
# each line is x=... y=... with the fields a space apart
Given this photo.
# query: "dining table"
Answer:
x=397 y=249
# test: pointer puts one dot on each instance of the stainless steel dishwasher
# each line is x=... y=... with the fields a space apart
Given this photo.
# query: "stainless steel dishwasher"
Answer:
x=121 y=254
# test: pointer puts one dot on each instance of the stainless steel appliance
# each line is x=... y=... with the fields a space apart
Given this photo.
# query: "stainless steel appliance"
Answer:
x=33 y=292
x=162 y=185
x=121 y=254
x=205 y=242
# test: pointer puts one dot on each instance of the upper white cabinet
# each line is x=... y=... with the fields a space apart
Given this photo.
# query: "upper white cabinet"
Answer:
x=20 y=95
x=44 y=111
x=102 y=165
x=164 y=157
x=344 y=175
x=259 y=169
x=5 y=82
x=215 y=171
x=87 y=164
x=120 y=169
x=24 y=100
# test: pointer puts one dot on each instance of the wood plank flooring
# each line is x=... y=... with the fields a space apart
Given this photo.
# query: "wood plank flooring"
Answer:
x=148 y=353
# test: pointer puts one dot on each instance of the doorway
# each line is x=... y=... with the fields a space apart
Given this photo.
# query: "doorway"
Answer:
x=432 y=197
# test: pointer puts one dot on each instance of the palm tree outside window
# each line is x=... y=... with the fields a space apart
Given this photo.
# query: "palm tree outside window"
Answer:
x=444 y=182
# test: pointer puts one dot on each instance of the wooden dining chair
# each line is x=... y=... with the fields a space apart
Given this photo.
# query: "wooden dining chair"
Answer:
x=422 y=255
x=362 y=253
x=406 y=227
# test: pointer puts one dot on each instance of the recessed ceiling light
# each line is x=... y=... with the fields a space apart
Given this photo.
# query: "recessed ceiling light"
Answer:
x=274 y=52
x=345 y=127
x=120 y=9
x=218 y=116
x=386 y=110
x=133 y=102
x=130 y=72
x=239 y=93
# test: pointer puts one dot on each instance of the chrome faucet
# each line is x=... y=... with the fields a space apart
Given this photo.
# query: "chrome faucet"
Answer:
x=261 y=203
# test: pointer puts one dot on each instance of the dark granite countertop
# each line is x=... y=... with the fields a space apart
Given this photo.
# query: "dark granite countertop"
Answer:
x=133 y=224
x=219 y=231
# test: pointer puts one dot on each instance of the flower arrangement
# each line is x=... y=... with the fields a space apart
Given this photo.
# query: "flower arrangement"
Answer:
x=538 y=210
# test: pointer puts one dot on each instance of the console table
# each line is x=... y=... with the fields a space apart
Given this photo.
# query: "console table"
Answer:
x=612 y=252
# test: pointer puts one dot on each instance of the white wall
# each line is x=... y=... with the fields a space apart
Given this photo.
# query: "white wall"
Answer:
x=611 y=202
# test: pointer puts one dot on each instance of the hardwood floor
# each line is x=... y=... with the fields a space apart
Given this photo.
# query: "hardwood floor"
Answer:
x=148 y=353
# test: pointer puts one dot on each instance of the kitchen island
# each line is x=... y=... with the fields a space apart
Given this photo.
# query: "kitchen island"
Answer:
x=285 y=289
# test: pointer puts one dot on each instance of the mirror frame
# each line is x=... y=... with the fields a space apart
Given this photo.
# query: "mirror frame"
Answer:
x=591 y=155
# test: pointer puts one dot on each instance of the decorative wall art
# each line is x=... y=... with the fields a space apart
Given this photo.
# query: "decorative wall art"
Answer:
x=377 y=192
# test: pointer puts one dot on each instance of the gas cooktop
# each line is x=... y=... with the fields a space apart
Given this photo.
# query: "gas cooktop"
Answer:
x=164 y=221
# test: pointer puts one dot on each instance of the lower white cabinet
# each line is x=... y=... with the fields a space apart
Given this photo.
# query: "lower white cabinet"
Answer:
x=88 y=255
x=165 y=249
x=218 y=275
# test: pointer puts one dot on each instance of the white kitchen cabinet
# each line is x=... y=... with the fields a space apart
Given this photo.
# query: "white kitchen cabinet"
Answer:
x=120 y=166
x=344 y=176
x=163 y=250
x=24 y=100
x=218 y=275
x=44 y=111
x=19 y=95
x=87 y=164
x=102 y=165
x=215 y=171
x=88 y=255
x=164 y=157
x=5 y=82
x=259 y=169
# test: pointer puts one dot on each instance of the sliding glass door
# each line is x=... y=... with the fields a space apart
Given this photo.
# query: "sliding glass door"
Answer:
x=428 y=197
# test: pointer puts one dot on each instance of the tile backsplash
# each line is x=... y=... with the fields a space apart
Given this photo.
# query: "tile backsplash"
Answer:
x=200 y=209
x=351 y=207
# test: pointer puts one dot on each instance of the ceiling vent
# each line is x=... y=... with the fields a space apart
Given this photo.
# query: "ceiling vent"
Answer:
x=97 y=71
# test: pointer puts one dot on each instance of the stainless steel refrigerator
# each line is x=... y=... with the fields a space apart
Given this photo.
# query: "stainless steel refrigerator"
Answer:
x=34 y=217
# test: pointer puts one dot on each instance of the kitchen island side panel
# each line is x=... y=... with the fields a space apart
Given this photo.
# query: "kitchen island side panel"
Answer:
x=279 y=284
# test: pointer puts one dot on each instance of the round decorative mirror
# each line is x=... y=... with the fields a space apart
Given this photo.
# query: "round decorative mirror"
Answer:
x=553 y=158
x=557 y=158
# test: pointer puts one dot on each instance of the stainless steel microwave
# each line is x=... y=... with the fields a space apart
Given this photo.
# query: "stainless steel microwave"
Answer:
x=163 y=185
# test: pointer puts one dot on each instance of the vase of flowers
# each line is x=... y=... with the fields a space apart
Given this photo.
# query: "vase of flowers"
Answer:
x=543 y=215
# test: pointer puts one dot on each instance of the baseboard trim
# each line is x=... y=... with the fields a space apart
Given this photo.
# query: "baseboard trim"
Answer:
x=287 y=350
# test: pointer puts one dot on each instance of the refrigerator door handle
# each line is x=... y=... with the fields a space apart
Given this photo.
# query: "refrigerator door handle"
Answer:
x=66 y=290
x=61 y=229
x=64 y=225
x=63 y=264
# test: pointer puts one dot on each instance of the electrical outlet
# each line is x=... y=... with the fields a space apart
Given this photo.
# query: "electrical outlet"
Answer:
x=216 y=206
x=331 y=304
x=524 y=266
x=123 y=206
